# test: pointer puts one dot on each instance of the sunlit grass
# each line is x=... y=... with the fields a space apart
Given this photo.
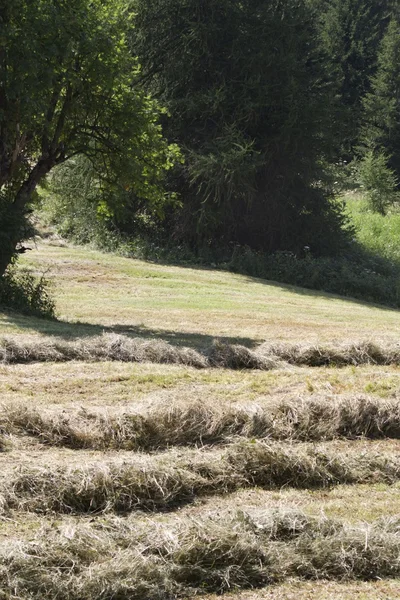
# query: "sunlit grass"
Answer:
x=375 y=232
x=189 y=306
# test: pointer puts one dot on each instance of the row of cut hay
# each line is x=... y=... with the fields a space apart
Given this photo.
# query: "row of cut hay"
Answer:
x=162 y=562
x=268 y=356
x=112 y=347
x=107 y=347
x=314 y=419
x=355 y=354
x=168 y=481
x=5 y=443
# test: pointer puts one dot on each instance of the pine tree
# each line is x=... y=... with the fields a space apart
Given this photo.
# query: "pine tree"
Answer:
x=381 y=131
x=351 y=31
x=245 y=86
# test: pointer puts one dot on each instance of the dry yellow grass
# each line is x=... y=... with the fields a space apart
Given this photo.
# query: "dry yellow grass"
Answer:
x=296 y=419
x=177 y=556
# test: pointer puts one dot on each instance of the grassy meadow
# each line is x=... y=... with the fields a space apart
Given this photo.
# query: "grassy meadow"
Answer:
x=181 y=432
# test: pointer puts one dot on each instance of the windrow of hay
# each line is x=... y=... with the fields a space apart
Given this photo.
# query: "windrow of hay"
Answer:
x=5 y=443
x=312 y=419
x=108 y=347
x=222 y=552
x=363 y=353
x=112 y=347
x=167 y=481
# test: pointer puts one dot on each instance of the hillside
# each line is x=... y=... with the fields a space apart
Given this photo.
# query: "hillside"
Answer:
x=143 y=460
x=96 y=291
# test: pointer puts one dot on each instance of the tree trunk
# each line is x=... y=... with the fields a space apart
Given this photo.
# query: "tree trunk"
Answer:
x=17 y=209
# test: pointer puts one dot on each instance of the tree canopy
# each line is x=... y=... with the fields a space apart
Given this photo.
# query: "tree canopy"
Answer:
x=67 y=88
x=245 y=85
x=262 y=100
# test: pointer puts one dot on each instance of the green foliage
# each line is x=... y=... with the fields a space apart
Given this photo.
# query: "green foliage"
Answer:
x=85 y=209
x=70 y=201
x=377 y=234
x=245 y=87
x=382 y=105
x=351 y=31
x=68 y=87
x=24 y=292
x=379 y=182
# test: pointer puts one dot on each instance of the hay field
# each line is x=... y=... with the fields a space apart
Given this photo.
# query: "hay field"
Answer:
x=183 y=433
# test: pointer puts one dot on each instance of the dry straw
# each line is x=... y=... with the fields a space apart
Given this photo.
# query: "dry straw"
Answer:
x=167 y=481
x=135 y=560
x=200 y=424
x=112 y=347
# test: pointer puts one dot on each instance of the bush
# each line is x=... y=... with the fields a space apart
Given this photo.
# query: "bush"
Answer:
x=379 y=181
x=358 y=275
x=22 y=291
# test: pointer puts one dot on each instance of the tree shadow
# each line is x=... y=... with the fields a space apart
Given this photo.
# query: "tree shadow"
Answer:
x=70 y=330
x=329 y=296
x=318 y=292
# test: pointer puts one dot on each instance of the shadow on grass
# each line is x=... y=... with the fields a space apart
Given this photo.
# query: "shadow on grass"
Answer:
x=361 y=276
x=329 y=296
x=299 y=270
x=79 y=330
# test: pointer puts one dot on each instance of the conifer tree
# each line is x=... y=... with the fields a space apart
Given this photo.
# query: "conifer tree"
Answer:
x=245 y=87
x=351 y=32
x=381 y=130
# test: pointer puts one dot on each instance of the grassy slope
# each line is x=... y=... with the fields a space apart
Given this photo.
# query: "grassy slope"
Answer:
x=192 y=306
x=97 y=292
x=377 y=233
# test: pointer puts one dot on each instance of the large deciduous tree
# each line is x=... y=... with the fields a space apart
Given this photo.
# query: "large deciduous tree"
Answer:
x=66 y=89
x=248 y=98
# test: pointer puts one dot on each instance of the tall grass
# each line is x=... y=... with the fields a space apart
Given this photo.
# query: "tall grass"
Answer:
x=379 y=234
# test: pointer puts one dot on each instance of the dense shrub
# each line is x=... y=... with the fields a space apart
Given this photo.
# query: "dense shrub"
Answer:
x=24 y=292
x=358 y=275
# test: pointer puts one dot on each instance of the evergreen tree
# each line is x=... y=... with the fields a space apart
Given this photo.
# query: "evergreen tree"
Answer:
x=381 y=131
x=351 y=31
x=245 y=88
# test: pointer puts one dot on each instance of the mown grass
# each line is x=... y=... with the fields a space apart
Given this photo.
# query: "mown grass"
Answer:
x=350 y=503
x=199 y=424
x=182 y=557
x=228 y=476
x=320 y=590
x=110 y=387
x=166 y=482
x=120 y=348
x=192 y=306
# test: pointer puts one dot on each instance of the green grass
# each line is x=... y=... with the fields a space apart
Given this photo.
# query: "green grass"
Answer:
x=97 y=292
x=376 y=233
